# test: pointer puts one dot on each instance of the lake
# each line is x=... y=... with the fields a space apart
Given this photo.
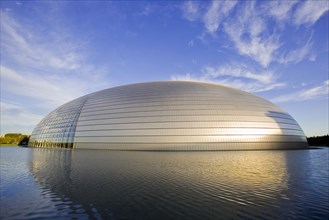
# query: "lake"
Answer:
x=97 y=184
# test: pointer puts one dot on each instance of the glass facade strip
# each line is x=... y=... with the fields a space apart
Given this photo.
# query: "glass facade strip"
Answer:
x=57 y=129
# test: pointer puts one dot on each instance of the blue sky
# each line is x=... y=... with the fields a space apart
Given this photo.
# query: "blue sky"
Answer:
x=55 y=51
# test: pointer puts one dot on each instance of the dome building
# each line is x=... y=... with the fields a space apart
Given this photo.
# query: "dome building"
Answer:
x=169 y=115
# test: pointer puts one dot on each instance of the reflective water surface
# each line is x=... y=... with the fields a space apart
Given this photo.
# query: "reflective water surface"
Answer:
x=97 y=184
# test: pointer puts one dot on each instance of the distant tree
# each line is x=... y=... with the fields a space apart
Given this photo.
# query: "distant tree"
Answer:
x=12 y=134
x=14 y=139
x=319 y=140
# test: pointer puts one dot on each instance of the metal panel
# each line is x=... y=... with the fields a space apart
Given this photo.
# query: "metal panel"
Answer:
x=182 y=112
x=188 y=125
x=169 y=115
x=174 y=132
x=179 y=119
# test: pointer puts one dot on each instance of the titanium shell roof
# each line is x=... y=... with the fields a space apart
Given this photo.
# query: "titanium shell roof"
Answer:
x=169 y=115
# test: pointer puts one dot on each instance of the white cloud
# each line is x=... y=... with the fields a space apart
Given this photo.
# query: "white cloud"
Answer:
x=237 y=76
x=26 y=47
x=299 y=54
x=42 y=70
x=190 y=43
x=250 y=27
x=250 y=37
x=216 y=12
x=147 y=10
x=281 y=10
x=16 y=118
x=8 y=106
x=57 y=53
x=48 y=68
x=321 y=91
x=45 y=88
x=310 y=11
x=191 y=10
x=251 y=86
x=187 y=77
x=239 y=71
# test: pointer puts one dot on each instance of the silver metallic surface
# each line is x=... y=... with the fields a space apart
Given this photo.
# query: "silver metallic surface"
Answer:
x=169 y=115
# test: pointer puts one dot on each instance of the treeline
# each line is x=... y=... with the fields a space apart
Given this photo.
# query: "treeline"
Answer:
x=318 y=140
x=14 y=139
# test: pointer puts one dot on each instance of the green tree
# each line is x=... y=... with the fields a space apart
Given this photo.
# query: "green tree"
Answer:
x=14 y=139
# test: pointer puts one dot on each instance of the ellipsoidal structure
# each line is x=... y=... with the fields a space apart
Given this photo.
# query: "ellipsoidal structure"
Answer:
x=169 y=115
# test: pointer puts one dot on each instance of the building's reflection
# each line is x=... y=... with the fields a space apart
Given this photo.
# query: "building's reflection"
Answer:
x=166 y=185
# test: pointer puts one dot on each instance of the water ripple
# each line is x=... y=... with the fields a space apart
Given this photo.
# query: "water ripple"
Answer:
x=65 y=184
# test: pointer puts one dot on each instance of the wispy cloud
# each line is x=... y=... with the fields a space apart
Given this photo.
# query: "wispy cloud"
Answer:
x=250 y=29
x=147 y=10
x=245 y=26
x=46 y=69
x=234 y=75
x=191 y=10
x=44 y=66
x=187 y=77
x=27 y=48
x=280 y=10
x=310 y=11
x=216 y=12
x=190 y=43
x=299 y=54
x=250 y=37
x=48 y=89
x=318 y=92
x=238 y=71
x=17 y=118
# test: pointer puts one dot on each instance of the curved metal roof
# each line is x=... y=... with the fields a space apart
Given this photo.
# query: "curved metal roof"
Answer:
x=169 y=115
